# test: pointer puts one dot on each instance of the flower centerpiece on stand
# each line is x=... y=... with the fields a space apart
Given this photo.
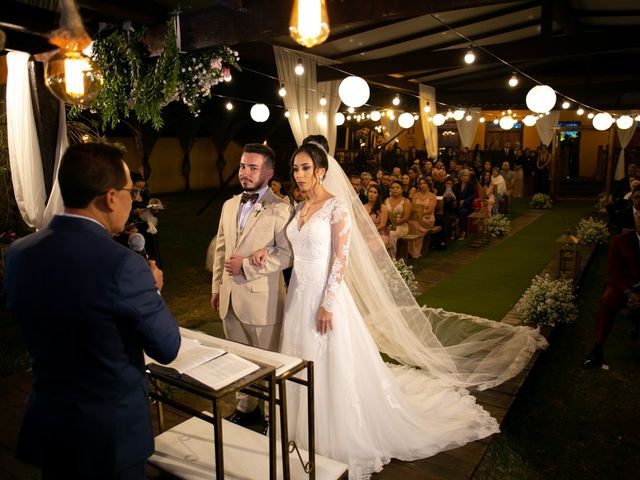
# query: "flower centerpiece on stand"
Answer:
x=548 y=302
x=592 y=232
x=540 y=201
x=499 y=225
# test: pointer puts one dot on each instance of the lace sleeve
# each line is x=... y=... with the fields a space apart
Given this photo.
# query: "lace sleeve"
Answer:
x=340 y=237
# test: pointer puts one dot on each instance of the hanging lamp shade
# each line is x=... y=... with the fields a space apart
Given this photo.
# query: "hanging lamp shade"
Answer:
x=309 y=25
x=354 y=91
x=507 y=122
x=530 y=120
x=541 y=99
x=406 y=120
x=624 y=122
x=376 y=116
x=439 y=119
x=340 y=118
x=602 y=121
x=73 y=77
x=259 y=112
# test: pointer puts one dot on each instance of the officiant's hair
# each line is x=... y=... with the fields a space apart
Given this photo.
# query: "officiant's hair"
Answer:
x=265 y=151
x=320 y=140
x=87 y=170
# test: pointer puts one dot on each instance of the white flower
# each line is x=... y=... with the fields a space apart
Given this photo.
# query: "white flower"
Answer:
x=257 y=208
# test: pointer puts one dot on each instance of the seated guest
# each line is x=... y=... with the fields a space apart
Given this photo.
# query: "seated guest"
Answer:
x=399 y=209
x=378 y=212
x=447 y=218
x=464 y=191
x=356 y=183
x=297 y=196
x=88 y=309
x=623 y=285
x=424 y=203
x=276 y=187
x=407 y=188
x=365 y=178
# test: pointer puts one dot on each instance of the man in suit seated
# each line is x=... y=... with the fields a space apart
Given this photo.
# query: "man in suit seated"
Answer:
x=623 y=285
x=87 y=308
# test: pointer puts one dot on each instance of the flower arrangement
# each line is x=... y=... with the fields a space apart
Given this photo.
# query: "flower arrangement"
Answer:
x=592 y=232
x=406 y=272
x=139 y=84
x=603 y=199
x=499 y=225
x=540 y=200
x=547 y=302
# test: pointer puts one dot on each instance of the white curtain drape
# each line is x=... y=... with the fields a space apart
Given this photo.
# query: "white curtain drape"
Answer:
x=391 y=127
x=304 y=93
x=430 y=131
x=624 y=137
x=544 y=127
x=24 y=151
x=468 y=129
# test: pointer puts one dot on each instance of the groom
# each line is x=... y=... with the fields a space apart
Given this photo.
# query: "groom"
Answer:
x=251 y=300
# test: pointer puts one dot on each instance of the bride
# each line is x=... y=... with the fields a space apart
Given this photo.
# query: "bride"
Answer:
x=346 y=301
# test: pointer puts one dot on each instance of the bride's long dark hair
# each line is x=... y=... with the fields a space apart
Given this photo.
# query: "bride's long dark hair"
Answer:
x=317 y=154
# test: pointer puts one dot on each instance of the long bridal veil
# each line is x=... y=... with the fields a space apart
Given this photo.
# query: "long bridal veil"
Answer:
x=458 y=349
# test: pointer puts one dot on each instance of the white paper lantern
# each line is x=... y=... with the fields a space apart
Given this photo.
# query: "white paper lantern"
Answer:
x=602 y=121
x=530 y=120
x=541 y=99
x=259 y=112
x=340 y=119
x=376 y=115
x=507 y=122
x=624 y=122
x=458 y=115
x=354 y=91
x=406 y=120
x=439 y=119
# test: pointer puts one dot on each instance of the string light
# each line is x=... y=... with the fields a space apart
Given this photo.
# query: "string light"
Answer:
x=286 y=113
x=566 y=104
x=323 y=100
x=513 y=81
x=283 y=91
x=299 y=68
x=469 y=57
x=229 y=106
x=580 y=111
x=396 y=100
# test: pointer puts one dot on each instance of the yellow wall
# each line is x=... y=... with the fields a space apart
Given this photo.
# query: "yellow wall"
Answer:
x=166 y=161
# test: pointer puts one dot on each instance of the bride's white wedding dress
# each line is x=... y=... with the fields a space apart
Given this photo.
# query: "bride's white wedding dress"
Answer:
x=366 y=411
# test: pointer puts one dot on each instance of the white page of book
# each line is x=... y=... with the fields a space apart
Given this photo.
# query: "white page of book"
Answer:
x=192 y=353
x=222 y=371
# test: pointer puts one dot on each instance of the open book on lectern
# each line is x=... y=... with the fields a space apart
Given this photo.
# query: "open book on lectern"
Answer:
x=209 y=365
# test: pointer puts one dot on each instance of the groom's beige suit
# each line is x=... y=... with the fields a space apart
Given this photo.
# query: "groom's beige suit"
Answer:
x=255 y=298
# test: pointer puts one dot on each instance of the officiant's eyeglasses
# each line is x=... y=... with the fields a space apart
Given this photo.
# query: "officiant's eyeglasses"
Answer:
x=134 y=192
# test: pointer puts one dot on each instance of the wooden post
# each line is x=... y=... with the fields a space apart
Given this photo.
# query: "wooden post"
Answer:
x=610 y=160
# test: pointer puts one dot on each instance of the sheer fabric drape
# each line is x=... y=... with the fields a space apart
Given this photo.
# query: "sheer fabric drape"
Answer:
x=468 y=129
x=304 y=93
x=544 y=127
x=458 y=349
x=430 y=131
x=624 y=137
x=391 y=127
x=24 y=151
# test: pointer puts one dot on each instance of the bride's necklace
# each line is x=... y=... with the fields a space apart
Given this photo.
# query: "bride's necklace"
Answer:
x=304 y=213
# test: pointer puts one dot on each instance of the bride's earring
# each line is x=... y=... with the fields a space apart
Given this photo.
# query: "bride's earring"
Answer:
x=321 y=179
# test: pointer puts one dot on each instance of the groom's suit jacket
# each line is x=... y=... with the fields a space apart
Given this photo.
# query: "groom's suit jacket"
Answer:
x=257 y=297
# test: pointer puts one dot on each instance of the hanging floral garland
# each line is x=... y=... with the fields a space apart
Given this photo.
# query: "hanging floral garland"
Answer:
x=140 y=85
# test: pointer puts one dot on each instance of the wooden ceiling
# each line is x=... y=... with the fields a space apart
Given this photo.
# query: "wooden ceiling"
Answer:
x=585 y=49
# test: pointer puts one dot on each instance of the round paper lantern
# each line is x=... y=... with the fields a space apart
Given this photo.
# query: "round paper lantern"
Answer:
x=376 y=115
x=602 y=121
x=340 y=119
x=439 y=119
x=507 y=122
x=530 y=120
x=354 y=91
x=406 y=120
x=624 y=122
x=541 y=98
x=259 y=112
x=458 y=115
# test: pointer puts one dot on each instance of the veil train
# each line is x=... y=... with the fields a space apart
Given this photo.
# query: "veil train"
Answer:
x=457 y=349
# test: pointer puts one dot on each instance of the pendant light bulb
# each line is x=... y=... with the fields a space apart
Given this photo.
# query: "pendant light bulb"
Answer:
x=469 y=57
x=299 y=68
x=283 y=91
x=513 y=81
x=396 y=100
x=309 y=24
x=323 y=100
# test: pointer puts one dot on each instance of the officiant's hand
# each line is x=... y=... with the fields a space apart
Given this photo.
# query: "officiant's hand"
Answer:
x=259 y=258
x=324 y=321
x=233 y=266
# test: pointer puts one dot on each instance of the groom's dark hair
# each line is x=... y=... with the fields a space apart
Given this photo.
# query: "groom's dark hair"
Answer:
x=265 y=151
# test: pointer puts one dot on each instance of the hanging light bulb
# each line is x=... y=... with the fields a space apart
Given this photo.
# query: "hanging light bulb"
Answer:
x=513 y=81
x=416 y=117
x=624 y=122
x=351 y=110
x=406 y=120
x=299 y=68
x=427 y=108
x=375 y=116
x=469 y=57
x=481 y=119
x=496 y=121
x=530 y=120
x=439 y=119
x=306 y=115
x=580 y=111
x=506 y=122
x=286 y=113
x=590 y=115
x=468 y=118
x=566 y=104
x=309 y=25
x=283 y=91
x=396 y=100
x=339 y=119
x=458 y=115
x=259 y=112
x=323 y=100
x=229 y=106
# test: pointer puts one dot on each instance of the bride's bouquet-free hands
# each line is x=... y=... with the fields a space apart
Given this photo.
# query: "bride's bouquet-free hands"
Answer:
x=259 y=258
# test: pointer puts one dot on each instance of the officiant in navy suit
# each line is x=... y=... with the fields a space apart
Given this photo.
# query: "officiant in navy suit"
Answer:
x=88 y=307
